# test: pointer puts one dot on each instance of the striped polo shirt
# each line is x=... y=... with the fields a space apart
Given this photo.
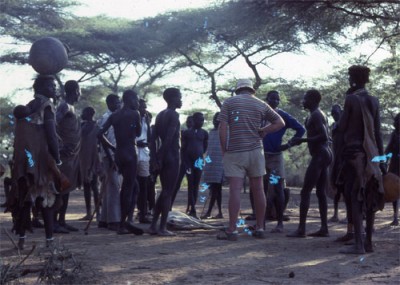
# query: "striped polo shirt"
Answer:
x=245 y=114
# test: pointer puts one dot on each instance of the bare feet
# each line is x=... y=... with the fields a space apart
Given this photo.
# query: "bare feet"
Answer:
x=151 y=231
x=353 y=250
x=346 y=237
x=219 y=216
x=368 y=247
x=133 y=229
x=205 y=216
x=297 y=233
x=123 y=231
x=277 y=229
x=319 y=233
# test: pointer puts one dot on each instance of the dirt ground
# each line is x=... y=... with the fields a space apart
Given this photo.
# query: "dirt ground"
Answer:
x=196 y=257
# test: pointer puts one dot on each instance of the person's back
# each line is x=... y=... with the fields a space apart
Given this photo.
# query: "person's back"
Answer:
x=163 y=119
x=245 y=117
x=125 y=123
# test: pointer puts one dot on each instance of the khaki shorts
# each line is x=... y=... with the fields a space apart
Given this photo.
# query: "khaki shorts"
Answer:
x=240 y=164
x=143 y=169
x=274 y=163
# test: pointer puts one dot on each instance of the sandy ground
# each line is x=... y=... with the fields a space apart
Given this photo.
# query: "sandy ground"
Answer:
x=196 y=257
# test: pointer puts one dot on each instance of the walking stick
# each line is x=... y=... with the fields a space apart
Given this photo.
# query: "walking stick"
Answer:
x=102 y=190
x=96 y=207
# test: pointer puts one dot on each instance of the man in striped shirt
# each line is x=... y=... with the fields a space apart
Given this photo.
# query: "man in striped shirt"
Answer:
x=244 y=121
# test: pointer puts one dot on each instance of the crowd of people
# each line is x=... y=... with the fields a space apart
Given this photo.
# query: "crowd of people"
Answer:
x=118 y=158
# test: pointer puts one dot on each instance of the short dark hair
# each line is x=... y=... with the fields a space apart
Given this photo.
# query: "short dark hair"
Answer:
x=40 y=81
x=127 y=94
x=315 y=95
x=270 y=93
x=111 y=98
x=197 y=114
x=90 y=111
x=359 y=73
x=70 y=86
x=336 y=106
x=169 y=93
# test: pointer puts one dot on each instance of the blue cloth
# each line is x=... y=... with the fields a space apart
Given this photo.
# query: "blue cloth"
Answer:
x=272 y=142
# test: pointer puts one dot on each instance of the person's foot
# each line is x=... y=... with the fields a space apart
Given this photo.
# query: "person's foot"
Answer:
x=133 y=229
x=286 y=218
x=230 y=236
x=37 y=224
x=102 y=225
x=334 y=219
x=60 y=230
x=219 y=216
x=260 y=234
x=85 y=218
x=21 y=243
x=113 y=227
x=151 y=231
x=346 y=237
x=50 y=242
x=70 y=228
x=123 y=231
x=297 y=233
x=193 y=214
x=277 y=229
x=395 y=222
x=205 y=216
x=368 y=247
x=353 y=250
x=319 y=233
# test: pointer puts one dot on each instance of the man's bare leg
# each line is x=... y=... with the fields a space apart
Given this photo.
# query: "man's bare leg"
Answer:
x=257 y=188
x=235 y=187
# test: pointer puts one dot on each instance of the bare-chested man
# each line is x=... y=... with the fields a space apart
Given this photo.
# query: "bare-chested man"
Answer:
x=166 y=158
x=362 y=141
x=127 y=126
x=317 y=171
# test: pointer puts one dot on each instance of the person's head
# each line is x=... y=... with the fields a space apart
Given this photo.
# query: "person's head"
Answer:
x=113 y=102
x=130 y=99
x=198 y=120
x=87 y=114
x=142 y=107
x=273 y=99
x=216 y=120
x=396 y=122
x=189 y=122
x=336 y=111
x=21 y=111
x=72 y=91
x=311 y=99
x=358 y=75
x=244 y=85
x=45 y=85
x=173 y=97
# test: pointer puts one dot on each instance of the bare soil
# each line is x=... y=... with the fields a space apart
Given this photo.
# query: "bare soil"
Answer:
x=197 y=257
